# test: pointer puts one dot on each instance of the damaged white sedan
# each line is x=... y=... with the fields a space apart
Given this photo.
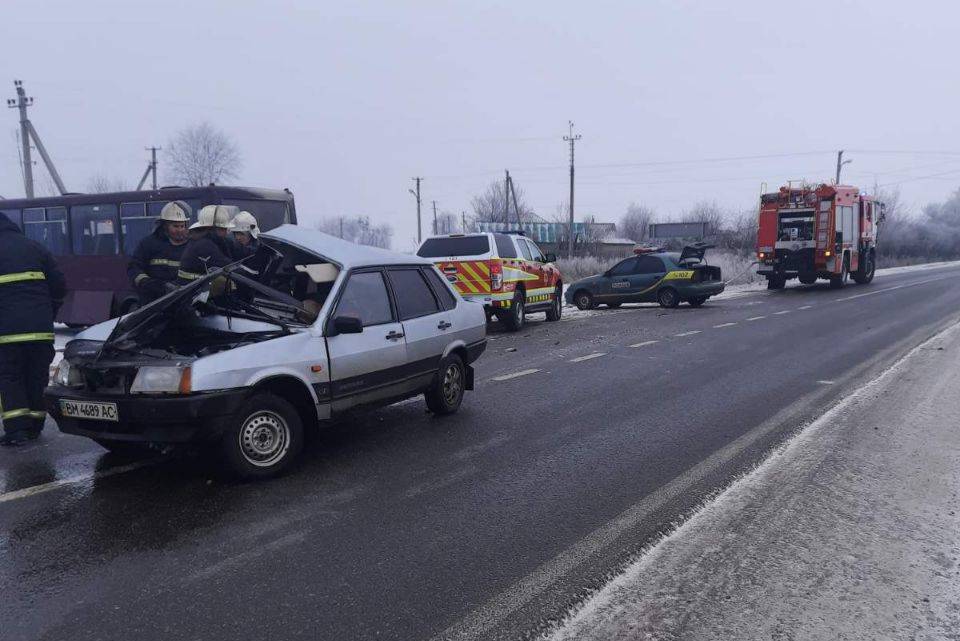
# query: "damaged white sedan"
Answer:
x=252 y=356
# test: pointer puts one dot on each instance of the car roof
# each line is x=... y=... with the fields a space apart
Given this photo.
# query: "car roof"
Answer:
x=346 y=254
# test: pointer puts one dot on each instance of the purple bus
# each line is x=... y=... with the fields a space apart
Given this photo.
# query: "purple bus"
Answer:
x=93 y=235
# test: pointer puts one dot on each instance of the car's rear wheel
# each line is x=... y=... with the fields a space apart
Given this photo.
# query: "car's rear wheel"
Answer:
x=697 y=301
x=613 y=305
x=668 y=297
x=515 y=318
x=583 y=300
x=556 y=306
x=264 y=438
x=446 y=392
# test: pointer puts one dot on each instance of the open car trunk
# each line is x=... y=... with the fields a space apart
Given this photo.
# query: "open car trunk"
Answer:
x=693 y=257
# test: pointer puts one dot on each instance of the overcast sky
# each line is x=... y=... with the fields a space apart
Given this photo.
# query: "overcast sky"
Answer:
x=345 y=102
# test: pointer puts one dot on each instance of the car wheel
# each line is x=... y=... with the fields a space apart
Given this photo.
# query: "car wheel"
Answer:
x=613 y=305
x=556 y=309
x=668 y=297
x=697 y=301
x=583 y=300
x=865 y=275
x=446 y=393
x=517 y=316
x=264 y=439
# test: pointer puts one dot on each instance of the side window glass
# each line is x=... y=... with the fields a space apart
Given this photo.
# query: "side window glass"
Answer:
x=135 y=224
x=505 y=246
x=414 y=298
x=649 y=265
x=535 y=251
x=365 y=297
x=48 y=227
x=524 y=249
x=440 y=288
x=624 y=268
x=94 y=230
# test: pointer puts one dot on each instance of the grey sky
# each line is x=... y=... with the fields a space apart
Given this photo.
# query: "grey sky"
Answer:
x=345 y=102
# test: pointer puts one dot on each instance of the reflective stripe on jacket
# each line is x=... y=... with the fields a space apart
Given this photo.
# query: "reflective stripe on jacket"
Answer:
x=155 y=257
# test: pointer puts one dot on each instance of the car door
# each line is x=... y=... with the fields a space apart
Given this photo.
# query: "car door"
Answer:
x=649 y=272
x=426 y=325
x=367 y=366
x=617 y=285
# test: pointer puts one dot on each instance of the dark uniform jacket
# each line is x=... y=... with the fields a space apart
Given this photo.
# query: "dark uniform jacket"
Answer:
x=206 y=252
x=155 y=259
x=31 y=287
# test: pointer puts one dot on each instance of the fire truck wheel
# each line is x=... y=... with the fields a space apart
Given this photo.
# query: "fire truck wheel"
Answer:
x=583 y=300
x=517 y=316
x=776 y=282
x=668 y=297
x=838 y=281
x=697 y=301
x=446 y=393
x=865 y=275
x=556 y=308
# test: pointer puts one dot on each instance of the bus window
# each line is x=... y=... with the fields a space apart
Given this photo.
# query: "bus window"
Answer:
x=14 y=216
x=269 y=213
x=94 y=230
x=48 y=227
x=135 y=224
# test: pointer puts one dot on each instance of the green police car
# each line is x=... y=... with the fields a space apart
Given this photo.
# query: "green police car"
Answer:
x=668 y=278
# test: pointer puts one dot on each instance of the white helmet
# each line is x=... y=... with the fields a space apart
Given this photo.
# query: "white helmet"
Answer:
x=176 y=212
x=213 y=216
x=245 y=222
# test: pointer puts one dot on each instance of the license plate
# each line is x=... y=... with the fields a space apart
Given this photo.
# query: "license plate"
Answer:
x=90 y=410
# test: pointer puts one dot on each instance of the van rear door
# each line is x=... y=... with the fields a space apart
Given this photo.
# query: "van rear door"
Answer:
x=462 y=259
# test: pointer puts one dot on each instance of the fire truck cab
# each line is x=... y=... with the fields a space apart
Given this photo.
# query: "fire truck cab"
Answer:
x=812 y=232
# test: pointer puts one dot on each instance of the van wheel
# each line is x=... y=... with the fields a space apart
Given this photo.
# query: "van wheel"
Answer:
x=517 y=316
x=446 y=392
x=667 y=297
x=264 y=438
x=583 y=300
x=556 y=308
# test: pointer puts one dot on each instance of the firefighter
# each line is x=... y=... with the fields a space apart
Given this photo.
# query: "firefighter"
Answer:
x=154 y=265
x=31 y=290
x=209 y=246
x=246 y=232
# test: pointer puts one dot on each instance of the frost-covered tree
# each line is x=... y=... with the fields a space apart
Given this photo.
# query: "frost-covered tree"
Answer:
x=201 y=154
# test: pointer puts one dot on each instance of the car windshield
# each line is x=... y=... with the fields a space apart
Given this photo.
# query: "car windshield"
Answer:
x=454 y=246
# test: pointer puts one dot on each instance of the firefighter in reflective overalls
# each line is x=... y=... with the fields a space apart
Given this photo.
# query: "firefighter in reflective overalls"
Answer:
x=154 y=265
x=31 y=290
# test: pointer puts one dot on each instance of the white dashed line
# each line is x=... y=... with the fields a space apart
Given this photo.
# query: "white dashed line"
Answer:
x=781 y=312
x=73 y=480
x=756 y=318
x=696 y=331
x=805 y=307
x=588 y=357
x=825 y=382
x=644 y=343
x=724 y=325
x=507 y=377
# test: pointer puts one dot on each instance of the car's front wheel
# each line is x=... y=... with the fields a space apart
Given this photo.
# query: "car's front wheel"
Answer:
x=583 y=300
x=264 y=439
x=446 y=392
x=668 y=297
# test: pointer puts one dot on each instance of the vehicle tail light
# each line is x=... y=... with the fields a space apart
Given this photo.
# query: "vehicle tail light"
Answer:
x=496 y=276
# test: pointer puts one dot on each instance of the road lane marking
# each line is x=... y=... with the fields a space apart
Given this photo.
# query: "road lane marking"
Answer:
x=890 y=289
x=588 y=357
x=73 y=480
x=781 y=312
x=826 y=382
x=756 y=318
x=724 y=325
x=644 y=343
x=691 y=333
x=805 y=307
x=507 y=377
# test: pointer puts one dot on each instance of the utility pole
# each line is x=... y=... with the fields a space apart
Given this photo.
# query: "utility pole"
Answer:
x=463 y=222
x=416 y=194
x=151 y=168
x=341 y=227
x=572 y=140
x=436 y=230
x=516 y=207
x=840 y=163
x=28 y=132
x=506 y=197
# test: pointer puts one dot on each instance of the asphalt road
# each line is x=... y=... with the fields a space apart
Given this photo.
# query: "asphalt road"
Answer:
x=557 y=472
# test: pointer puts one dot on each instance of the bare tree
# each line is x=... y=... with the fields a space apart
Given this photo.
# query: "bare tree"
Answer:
x=101 y=184
x=706 y=212
x=635 y=224
x=448 y=223
x=491 y=205
x=357 y=229
x=200 y=155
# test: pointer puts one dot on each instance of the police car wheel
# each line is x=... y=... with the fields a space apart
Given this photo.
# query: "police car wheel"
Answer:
x=264 y=439
x=556 y=306
x=697 y=301
x=668 y=297
x=583 y=301
x=446 y=392
x=517 y=316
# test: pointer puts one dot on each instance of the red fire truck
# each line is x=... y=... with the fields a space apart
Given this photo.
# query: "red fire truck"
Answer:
x=811 y=232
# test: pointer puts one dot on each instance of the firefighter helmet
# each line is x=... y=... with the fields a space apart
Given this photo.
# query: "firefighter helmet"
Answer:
x=213 y=216
x=246 y=223
x=176 y=212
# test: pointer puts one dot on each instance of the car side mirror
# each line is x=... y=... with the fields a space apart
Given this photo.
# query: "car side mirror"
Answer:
x=347 y=325
x=550 y=258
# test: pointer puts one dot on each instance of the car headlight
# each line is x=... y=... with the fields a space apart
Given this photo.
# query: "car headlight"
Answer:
x=161 y=380
x=66 y=375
